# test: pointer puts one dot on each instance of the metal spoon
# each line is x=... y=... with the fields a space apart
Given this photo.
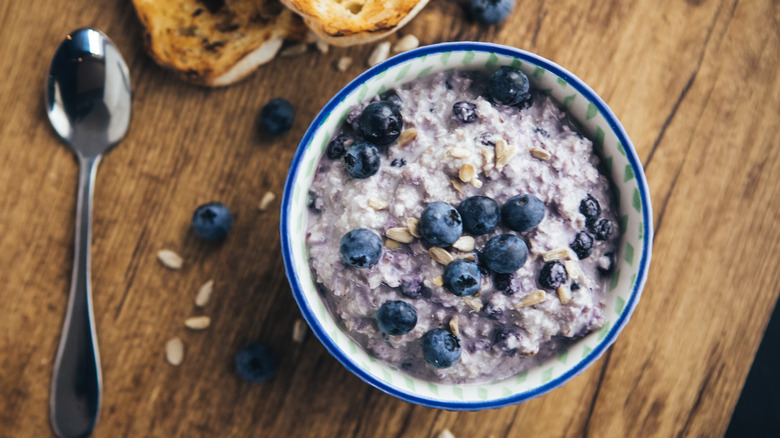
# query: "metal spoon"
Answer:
x=88 y=101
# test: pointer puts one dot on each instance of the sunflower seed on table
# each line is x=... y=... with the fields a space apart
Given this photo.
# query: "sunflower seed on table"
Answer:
x=408 y=42
x=446 y=434
x=204 y=294
x=343 y=63
x=266 y=201
x=380 y=53
x=170 y=259
x=197 y=322
x=174 y=351
x=299 y=330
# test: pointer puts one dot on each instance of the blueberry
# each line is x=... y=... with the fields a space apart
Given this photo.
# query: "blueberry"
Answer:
x=398 y=162
x=504 y=253
x=360 y=248
x=605 y=263
x=396 y=318
x=414 y=289
x=212 y=221
x=440 y=224
x=506 y=339
x=503 y=282
x=574 y=287
x=277 y=116
x=601 y=228
x=362 y=160
x=491 y=11
x=380 y=123
x=464 y=112
x=582 y=245
x=590 y=207
x=338 y=147
x=552 y=275
x=480 y=214
x=255 y=363
x=393 y=99
x=508 y=86
x=523 y=212
x=312 y=201
x=492 y=311
x=462 y=278
x=526 y=103
x=440 y=348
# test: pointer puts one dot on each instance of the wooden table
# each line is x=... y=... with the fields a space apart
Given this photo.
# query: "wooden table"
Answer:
x=695 y=83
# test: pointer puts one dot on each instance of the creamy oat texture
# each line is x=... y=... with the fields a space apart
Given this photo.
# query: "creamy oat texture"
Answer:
x=498 y=340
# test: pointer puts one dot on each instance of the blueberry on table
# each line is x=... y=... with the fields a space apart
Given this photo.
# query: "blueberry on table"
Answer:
x=440 y=348
x=338 y=147
x=393 y=99
x=396 y=318
x=462 y=278
x=255 y=363
x=553 y=275
x=508 y=86
x=440 y=224
x=212 y=221
x=491 y=11
x=523 y=212
x=504 y=253
x=380 y=123
x=480 y=215
x=600 y=228
x=464 y=112
x=582 y=245
x=362 y=160
x=590 y=207
x=277 y=116
x=361 y=248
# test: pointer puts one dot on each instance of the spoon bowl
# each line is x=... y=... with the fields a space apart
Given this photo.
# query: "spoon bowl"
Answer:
x=88 y=101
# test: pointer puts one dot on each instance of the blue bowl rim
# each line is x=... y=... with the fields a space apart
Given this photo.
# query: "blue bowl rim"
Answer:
x=631 y=155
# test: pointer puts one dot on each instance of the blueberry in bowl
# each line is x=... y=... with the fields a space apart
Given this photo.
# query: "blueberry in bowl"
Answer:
x=497 y=261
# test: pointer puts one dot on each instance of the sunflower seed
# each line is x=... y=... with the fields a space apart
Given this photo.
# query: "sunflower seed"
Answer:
x=174 y=351
x=534 y=297
x=564 y=295
x=400 y=234
x=454 y=325
x=170 y=259
x=468 y=256
x=467 y=172
x=298 y=49
x=197 y=322
x=504 y=153
x=413 y=224
x=406 y=43
x=406 y=137
x=377 y=203
x=438 y=281
x=392 y=244
x=457 y=185
x=380 y=53
x=476 y=183
x=204 y=294
x=473 y=303
x=541 y=154
x=446 y=434
x=440 y=255
x=488 y=158
x=299 y=330
x=556 y=254
x=459 y=153
x=343 y=63
x=464 y=243
x=266 y=200
x=572 y=268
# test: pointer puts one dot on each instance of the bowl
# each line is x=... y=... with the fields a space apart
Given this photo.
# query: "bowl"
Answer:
x=610 y=142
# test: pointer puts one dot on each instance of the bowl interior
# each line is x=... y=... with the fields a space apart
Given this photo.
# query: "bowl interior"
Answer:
x=611 y=143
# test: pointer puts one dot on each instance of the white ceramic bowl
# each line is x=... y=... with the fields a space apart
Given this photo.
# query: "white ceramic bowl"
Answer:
x=611 y=142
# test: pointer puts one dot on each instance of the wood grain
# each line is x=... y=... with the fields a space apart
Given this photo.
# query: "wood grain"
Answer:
x=694 y=82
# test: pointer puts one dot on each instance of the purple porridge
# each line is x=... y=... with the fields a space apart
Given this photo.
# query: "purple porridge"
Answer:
x=456 y=143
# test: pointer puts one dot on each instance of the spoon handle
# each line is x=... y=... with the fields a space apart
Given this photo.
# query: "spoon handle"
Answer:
x=76 y=383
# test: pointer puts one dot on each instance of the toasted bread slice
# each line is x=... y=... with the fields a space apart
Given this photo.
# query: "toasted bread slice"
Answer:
x=215 y=42
x=349 y=22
